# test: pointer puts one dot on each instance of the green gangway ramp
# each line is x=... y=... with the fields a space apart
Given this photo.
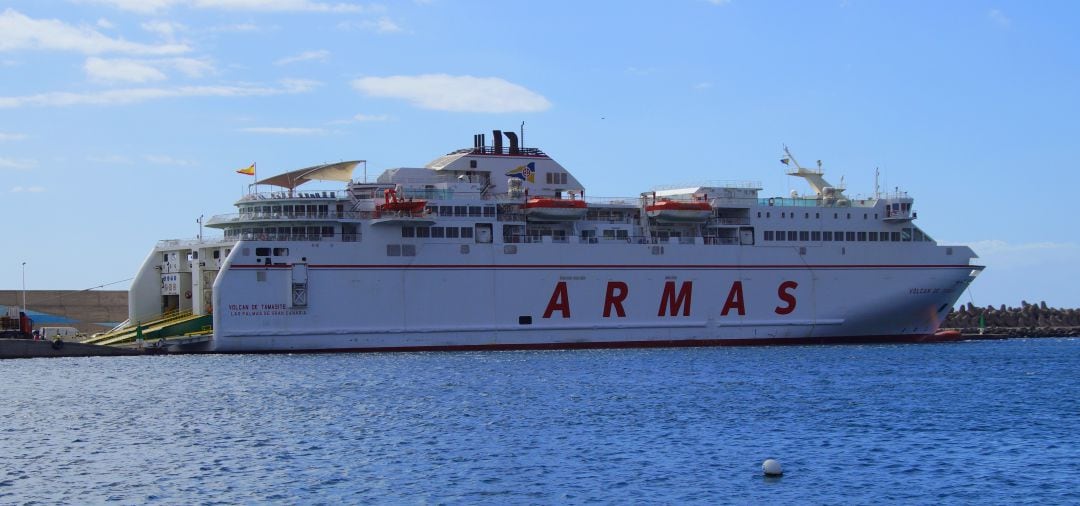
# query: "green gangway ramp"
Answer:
x=164 y=327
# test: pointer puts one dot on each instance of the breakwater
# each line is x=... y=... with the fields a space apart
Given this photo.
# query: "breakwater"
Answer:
x=1028 y=320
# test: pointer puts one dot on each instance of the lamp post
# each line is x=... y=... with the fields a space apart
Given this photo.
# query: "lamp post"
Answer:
x=24 y=287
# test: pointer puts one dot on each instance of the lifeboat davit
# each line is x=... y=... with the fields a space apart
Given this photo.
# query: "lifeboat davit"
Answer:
x=394 y=204
x=674 y=210
x=541 y=208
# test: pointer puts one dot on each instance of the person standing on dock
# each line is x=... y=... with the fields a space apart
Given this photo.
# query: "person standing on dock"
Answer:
x=138 y=335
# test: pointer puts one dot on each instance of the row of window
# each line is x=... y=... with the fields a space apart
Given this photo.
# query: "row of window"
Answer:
x=836 y=216
x=473 y=211
x=287 y=210
x=437 y=232
x=905 y=235
x=264 y=232
x=556 y=178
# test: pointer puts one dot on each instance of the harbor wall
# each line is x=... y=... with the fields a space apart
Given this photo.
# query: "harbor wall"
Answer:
x=89 y=311
x=1028 y=320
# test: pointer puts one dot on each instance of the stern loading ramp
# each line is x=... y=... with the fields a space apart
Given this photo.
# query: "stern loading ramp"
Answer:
x=169 y=325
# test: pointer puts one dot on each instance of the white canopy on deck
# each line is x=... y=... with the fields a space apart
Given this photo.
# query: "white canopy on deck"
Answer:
x=339 y=171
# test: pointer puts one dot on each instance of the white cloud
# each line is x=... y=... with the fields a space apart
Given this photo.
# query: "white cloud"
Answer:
x=455 y=93
x=285 y=130
x=121 y=70
x=168 y=160
x=136 y=95
x=22 y=32
x=27 y=189
x=166 y=29
x=320 y=55
x=370 y=117
x=999 y=17
x=385 y=25
x=381 y=25
x=142 y=71
x=11 y=163
x=11 y=137
x=191 y=67
x=239 y=27
x=998 y=247
x=140 y=6
x=111 y=159
x=105 y=23
x=362 y=118
x=153 y=6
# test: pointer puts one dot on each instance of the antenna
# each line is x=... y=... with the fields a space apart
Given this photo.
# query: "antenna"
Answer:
x=523 y=134
x=877 y=186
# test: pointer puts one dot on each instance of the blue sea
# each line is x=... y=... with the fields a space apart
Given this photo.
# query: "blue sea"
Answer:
x=986 y=422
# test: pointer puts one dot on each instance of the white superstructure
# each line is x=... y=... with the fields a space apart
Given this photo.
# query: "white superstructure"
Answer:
x=499 y=247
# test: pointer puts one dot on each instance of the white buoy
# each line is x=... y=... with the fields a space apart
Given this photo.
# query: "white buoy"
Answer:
x=771 y=468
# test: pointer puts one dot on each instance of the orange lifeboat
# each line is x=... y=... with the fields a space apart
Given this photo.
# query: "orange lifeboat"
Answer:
x=674 y=210
x=542 y=208
x=393 y=203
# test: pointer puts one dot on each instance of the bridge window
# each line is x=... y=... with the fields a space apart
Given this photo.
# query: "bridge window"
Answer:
x=905 y=235
x=826 y=235
x=408 y=232
x=438 y=232
x=792 y=235
x=804 y=235
x=768 y=234
x=466 y=232
x=862 y=236
x=815 y=235
x=849 y=236
x=873 y=236
x=423 y=232
x=452 y=232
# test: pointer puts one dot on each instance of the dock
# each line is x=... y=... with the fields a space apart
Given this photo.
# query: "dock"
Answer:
x=28 y=348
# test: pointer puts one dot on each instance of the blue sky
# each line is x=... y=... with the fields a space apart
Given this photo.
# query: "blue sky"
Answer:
x=123 y=121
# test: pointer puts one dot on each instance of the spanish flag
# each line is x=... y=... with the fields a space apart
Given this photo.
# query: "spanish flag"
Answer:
x=250 y=170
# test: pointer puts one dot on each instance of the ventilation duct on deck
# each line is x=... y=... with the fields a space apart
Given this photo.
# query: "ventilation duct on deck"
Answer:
x=513 y=142
x=496 y=137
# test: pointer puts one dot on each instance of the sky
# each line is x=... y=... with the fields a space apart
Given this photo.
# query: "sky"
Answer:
x=123 y=121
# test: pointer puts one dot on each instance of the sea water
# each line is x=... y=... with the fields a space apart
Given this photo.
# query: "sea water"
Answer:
x=989 y=422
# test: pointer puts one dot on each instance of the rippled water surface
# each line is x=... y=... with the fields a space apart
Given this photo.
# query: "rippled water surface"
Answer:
x=975 y=422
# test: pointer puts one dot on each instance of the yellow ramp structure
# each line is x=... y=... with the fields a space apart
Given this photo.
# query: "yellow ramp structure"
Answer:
x=167 y=326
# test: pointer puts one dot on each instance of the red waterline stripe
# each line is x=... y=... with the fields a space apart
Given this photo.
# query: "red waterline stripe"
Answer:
x=609 y=266
x=688 y=343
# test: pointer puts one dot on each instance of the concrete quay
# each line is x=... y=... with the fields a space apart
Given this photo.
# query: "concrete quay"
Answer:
x=28 y=348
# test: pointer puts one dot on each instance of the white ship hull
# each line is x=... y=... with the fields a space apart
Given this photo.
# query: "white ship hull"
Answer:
x=479 y=302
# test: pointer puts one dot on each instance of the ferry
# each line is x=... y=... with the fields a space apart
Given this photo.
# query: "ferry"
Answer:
x=497 y=247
